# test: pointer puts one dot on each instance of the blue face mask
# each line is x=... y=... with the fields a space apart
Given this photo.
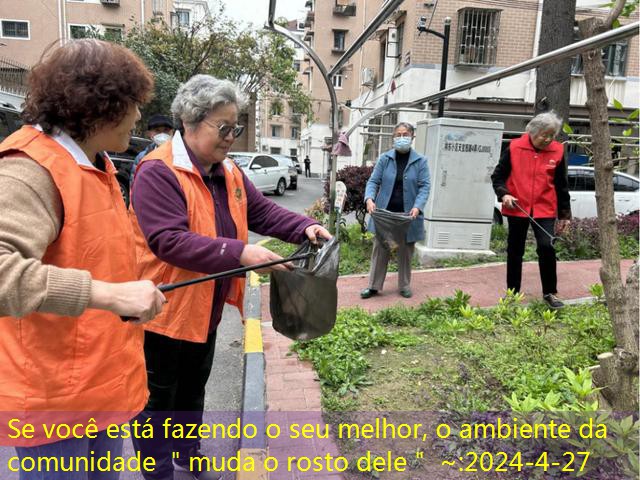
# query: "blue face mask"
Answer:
x=402 y=144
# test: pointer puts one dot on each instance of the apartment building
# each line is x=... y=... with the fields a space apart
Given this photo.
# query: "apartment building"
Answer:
x=29 y=27
x=400 y=63
x=279 y=126
x=486 y=36
x=330 y=27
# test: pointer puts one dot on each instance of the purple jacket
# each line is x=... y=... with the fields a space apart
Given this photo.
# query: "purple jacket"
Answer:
x=166 y=228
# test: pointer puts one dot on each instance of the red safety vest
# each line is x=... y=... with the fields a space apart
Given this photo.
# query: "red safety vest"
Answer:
x=532 y=176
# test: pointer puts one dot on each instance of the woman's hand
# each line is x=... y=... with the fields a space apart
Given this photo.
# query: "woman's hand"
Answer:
x=140 y=300
x=509 y=201
x=414 y=212
x=371 y=206
x=561 y=226
x=255 y=255
x=314 y=231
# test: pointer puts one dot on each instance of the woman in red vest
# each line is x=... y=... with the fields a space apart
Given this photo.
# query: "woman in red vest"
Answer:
x=67 y=267
x=531 y=181
x=200 y=226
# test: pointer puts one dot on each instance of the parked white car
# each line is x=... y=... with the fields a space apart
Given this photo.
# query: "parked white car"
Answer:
x=264 y=171
x=582 y=187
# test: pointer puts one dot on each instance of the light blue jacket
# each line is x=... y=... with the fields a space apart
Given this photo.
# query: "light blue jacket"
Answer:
x=416 y=186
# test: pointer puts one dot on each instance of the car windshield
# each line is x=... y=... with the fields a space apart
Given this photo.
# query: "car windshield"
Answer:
x=241 y=160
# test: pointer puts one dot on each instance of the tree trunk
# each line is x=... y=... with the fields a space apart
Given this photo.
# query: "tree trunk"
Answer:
x=618 y=371
x=553 y=81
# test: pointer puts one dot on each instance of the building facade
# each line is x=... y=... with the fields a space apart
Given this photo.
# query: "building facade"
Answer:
x=401 y=63
x=331 y=26
x=279 y=125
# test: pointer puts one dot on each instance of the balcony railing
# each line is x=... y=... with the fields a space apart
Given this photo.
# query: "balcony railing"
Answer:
x=13 y=77
x=111 y=3
x=344 y=9
x=309 y=18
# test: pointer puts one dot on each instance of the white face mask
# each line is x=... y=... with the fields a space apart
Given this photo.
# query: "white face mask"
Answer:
x=161 y=138
x=402 y=144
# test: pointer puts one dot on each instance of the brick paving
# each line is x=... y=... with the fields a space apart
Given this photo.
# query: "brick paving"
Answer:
x=293 y=389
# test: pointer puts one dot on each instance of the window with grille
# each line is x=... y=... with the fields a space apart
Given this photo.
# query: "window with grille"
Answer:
x=337 y=81
x=477 y=36
x=339 y=37
x=614 y=57
x=182 y=18
x=15 y=29
x=79 y=31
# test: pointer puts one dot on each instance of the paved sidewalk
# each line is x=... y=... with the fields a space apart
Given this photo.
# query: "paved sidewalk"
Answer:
x=292 y=385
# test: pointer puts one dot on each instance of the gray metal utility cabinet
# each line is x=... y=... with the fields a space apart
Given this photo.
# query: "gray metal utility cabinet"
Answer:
x=462 y=155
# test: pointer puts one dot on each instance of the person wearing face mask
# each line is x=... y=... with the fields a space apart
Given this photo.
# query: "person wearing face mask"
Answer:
x=159 y=130
x=399 y=183
x=531 y=182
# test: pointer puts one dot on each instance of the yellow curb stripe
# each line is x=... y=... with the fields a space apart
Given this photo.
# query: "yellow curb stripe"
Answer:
x=258 y=455
x=254 y=279
x=252 y=336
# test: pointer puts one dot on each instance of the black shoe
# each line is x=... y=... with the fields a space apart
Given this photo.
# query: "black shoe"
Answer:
x=553 y=301
x=406 y=292
x=200 y=471
x=368 y=293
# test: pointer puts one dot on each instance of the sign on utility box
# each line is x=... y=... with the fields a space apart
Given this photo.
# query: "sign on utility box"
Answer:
x=461 y=155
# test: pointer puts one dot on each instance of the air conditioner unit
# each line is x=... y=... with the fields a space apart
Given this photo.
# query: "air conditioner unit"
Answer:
x=368 y=77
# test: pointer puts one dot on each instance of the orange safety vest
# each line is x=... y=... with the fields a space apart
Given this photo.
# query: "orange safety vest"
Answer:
x=188 y=313
x=75 y=367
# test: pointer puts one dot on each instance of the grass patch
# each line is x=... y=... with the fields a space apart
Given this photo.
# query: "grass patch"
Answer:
x=446 y=361
x=355 y=252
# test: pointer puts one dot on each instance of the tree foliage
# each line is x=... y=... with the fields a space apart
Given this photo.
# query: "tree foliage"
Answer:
x=258 y=61
x=617 y=371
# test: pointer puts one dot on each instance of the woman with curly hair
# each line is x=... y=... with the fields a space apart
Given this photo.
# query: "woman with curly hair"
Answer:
x=67 y=267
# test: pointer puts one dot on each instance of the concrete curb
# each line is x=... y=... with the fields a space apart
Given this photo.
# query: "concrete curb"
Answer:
x=253 y=383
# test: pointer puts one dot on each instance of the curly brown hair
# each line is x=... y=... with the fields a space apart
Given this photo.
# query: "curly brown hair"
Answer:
x=83 y=85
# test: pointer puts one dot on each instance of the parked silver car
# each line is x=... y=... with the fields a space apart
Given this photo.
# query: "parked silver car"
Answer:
x=264 y=171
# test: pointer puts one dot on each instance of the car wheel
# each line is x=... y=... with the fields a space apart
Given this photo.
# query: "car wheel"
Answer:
x=124 y=191
x=497 y=217
x=282 y=186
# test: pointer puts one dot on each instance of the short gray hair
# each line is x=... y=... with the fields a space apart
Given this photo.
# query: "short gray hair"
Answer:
x=406 y=125
x=544 y=121
x=201 y=95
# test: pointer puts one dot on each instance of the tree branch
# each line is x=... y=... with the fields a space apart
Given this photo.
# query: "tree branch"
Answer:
x=614 y=14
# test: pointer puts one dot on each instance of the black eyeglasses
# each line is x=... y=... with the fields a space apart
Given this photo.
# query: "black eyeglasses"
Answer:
x=224 y=130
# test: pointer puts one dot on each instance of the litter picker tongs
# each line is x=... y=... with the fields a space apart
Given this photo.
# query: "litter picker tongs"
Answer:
x=553 y=238
x=229 y=273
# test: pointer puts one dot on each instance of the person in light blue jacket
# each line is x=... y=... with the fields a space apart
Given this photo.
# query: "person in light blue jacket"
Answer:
x=399 y=183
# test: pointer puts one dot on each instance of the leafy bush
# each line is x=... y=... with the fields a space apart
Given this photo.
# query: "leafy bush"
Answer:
x=338 y=357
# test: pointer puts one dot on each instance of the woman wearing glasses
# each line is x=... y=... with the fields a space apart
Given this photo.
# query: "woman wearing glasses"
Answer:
x=399 y=183
x=193 y=210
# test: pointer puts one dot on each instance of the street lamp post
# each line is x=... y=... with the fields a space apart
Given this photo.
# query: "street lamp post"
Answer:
x=422 y=27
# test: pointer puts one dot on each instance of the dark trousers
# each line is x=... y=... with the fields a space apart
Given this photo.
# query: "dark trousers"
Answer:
x=307 y=170
x=518 y=227
x=177 y=373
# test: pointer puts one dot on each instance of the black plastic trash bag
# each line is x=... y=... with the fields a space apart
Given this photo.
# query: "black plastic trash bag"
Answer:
x=304 y=301
x=391 y=227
